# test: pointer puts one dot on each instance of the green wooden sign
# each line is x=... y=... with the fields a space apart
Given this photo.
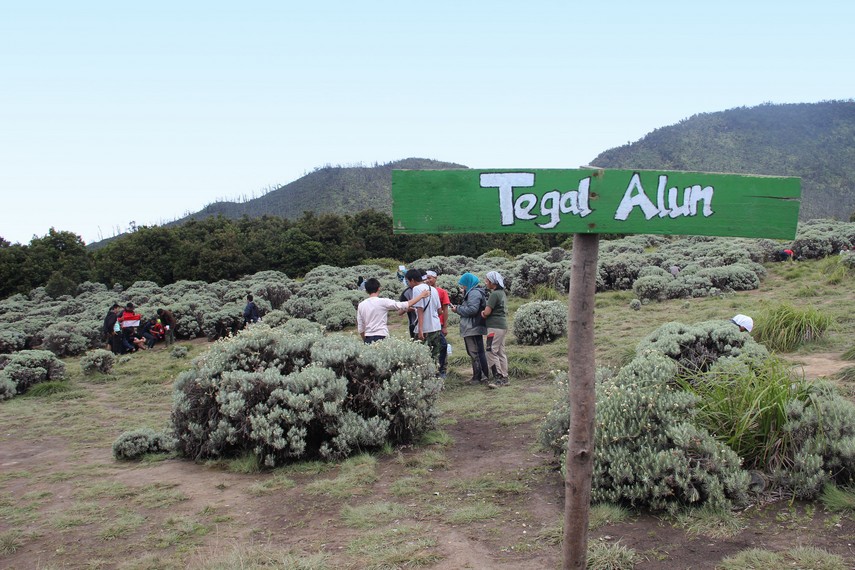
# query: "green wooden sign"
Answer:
x=594 y=201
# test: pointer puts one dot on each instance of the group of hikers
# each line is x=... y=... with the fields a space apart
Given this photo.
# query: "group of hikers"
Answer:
x=482 y=314
x=127 y=331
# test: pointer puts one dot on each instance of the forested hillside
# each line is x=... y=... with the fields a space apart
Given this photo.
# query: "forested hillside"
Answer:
x=815 y=141
x=330 y=189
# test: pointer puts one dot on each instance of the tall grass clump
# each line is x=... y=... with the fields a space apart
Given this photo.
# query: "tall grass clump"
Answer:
x=784 y=328
x=746 y=408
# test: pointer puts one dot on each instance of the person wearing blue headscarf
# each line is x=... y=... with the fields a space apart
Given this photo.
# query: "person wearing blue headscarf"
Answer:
x=472 y=326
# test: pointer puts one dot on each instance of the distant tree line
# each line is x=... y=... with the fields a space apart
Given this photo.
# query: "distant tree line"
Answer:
x=219 y=248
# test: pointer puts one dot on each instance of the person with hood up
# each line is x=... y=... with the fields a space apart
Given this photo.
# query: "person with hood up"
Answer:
x=744 y=322
x=473 y=326
x=496 y=316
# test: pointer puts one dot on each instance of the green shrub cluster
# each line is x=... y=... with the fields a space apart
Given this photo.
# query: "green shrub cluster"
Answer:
x=538 y=269
x=178 y=352
x=697 y=347
x=11 y=339
x=649 y=453
x=284 y=396
x=821 y=238
x=22 y=369
x=540 y=322
x=139 y=442
x=802 y=434
x=696 y=407
x=822 y=430
x=98 y=360
x=66 y=339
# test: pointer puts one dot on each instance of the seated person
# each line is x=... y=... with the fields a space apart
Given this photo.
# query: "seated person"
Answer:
x=150 y=332
x=134 y=339
x=128 y=340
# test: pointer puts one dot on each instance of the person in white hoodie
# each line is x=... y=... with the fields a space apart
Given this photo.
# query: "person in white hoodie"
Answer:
x=745 y=323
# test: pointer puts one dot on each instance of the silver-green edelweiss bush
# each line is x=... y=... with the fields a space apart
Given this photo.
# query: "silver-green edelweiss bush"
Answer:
x=540 y=322
x=285 y=396
x=98 y=360
x=822 y=431
x=649 y=453
x=22 y=369
x=66 y=339
x=11 y=338
x=136 y=443
x=698 y=347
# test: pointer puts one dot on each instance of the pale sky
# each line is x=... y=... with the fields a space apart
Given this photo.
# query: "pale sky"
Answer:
x=116 y=112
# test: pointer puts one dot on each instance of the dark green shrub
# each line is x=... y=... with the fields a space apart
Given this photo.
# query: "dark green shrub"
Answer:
x=136 y=443
x=276 y=318
x=495 y=253
x=98 y=360
x=821 y=238
x=531 y=270
x=274 y=287
x=620 y=271
x=222 y=322
x=540 y=322
x=283 y=397
x=735 y=277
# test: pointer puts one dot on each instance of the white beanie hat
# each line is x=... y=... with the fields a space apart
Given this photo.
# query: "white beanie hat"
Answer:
x=743 y=321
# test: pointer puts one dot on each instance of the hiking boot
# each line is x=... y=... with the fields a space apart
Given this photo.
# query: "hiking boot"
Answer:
x=498 y=382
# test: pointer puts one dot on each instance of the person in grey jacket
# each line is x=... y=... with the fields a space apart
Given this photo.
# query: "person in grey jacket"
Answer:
x=473 y=327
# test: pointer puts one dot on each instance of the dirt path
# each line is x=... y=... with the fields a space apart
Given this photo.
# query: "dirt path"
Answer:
x=819 y=365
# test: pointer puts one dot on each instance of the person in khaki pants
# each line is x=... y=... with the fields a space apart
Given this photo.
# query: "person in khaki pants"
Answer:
x=496 y=316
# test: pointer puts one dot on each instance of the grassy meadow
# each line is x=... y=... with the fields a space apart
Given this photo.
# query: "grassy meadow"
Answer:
x=477 y=492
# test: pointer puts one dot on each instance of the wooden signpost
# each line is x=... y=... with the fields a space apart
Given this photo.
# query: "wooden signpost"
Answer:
x=588 y=202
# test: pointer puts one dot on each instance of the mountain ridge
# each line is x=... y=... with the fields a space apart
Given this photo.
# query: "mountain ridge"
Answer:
x=814 y=141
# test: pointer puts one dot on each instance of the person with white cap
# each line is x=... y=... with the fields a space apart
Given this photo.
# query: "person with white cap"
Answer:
x=444 y=303
x=495 y=313
x=745 y=323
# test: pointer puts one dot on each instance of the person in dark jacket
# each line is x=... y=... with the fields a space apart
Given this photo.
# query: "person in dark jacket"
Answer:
x=473 y=327
x=113 y=338
x=109 y=324
x=250 y=312
x=167 y=319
